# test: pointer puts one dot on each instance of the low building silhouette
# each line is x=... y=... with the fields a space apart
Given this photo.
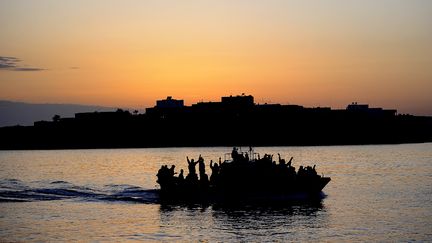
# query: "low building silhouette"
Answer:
x=232 y=121
x=169 y=102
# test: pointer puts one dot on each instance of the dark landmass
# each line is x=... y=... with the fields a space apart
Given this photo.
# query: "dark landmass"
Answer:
x=21 y=113
x=236 y=120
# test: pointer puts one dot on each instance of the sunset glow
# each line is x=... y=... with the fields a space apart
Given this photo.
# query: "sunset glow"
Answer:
x=130 y=53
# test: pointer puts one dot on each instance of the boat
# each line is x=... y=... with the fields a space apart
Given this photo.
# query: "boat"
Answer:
x=242 y=176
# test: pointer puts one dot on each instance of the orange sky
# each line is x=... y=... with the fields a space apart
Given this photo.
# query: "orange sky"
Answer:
x=130 y=53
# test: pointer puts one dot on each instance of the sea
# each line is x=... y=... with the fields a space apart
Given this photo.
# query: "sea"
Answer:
x=377 y=193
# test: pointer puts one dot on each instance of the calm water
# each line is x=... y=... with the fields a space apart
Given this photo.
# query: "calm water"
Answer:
x=377 y=193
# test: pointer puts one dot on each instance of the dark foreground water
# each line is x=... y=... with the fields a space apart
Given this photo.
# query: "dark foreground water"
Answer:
x=377 y=193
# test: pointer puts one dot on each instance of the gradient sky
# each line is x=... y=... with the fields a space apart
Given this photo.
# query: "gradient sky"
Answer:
x=130 y=53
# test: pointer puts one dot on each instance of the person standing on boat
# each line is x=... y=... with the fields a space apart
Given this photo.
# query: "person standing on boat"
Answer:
x=201 y=165
x=181 y=176
x=234 y=154
x=181 y=179
x=204 y=181
x=192 y=176
x=215 y=172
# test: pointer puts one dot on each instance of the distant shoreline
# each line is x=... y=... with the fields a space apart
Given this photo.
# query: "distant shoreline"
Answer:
x=234 y=121
x=210 y=146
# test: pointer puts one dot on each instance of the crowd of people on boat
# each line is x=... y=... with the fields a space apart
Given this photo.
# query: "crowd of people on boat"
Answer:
x=241 y=171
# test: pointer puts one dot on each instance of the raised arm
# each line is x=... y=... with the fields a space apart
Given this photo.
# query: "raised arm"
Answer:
x=289 y=162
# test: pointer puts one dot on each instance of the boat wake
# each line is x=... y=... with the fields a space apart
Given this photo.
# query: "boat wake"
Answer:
x=13 y=190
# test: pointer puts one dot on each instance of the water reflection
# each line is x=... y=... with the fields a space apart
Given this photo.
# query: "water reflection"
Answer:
x=245 y=222
x=308 y=208
x=378 y=194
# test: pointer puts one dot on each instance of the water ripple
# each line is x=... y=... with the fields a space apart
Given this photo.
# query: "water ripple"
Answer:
x=13 y=190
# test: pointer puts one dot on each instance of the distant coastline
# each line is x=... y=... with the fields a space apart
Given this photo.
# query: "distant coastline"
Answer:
x=234 y=121
x=14 y=113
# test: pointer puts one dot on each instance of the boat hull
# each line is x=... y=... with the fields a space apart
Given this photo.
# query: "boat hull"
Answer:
x=298 y=190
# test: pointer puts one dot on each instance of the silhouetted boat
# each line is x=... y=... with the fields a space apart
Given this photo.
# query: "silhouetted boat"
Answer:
x=245 y=177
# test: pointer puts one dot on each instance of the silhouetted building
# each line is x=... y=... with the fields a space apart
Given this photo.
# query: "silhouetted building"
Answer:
x=235 y=120
x=165 y=108
x=169 y=102
x=239 y=101
x=357 y=107
x=364 y=108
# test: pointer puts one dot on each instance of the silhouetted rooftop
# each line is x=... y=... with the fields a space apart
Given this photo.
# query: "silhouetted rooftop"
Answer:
x=235 y=120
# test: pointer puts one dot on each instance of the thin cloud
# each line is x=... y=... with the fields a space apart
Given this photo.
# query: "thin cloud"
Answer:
x=8 y=62
x=28 y=69
x=12 y=64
